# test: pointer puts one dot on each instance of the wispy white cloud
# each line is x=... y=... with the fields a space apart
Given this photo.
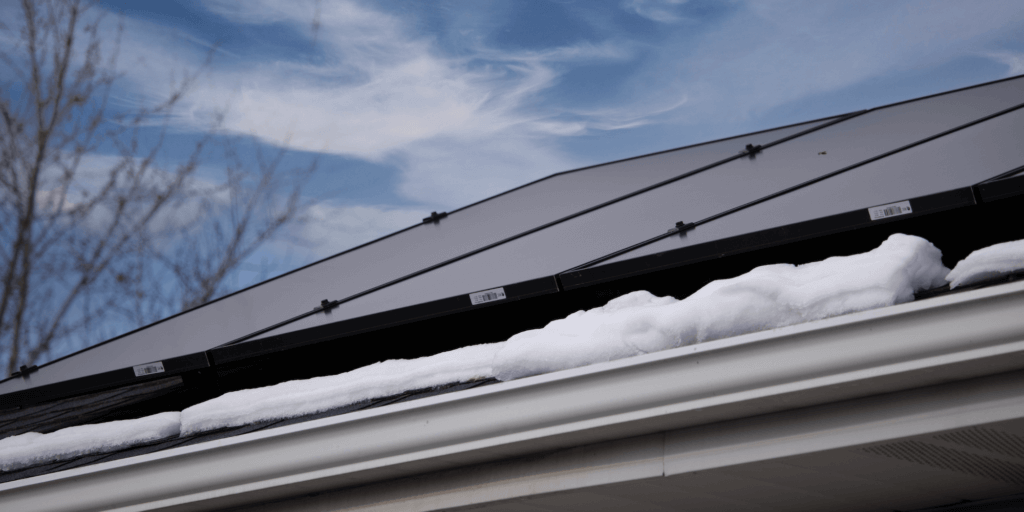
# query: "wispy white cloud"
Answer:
x=665 y=11
x=332 y=228
x=93 y=173
x=771 y=52
x=461 y=125
x=1014 y=62
x=457 y=171
x=384 y=93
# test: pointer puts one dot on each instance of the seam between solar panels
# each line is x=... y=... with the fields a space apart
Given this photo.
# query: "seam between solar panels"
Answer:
x=543 y=227
x=798 y=186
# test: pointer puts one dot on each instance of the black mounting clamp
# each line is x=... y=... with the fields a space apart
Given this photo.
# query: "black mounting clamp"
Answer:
x=24 y=371
x=751 y=150
x=682 y=227
x=435 y=217
x=327 y=305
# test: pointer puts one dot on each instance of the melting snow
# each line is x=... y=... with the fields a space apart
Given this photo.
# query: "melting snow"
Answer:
x=636 y=323
x=764 y=298
x=986 y=263
x=34 y=448
x=301 y=397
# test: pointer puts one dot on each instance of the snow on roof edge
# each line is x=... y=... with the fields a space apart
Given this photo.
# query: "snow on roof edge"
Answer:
x=767 y=297
x=34 y=448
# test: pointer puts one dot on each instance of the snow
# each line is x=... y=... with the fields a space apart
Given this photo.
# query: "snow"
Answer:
x=636 y=323
x=302 y=397
x=987 y=263
x=35 y=448
x=765 y=298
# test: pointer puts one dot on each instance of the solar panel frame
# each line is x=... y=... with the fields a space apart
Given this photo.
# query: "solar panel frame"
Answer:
x=1010 y=185
x=307 y=322
x=980 y=151
x=554 y=250
x=66 y=374
x=531 y=287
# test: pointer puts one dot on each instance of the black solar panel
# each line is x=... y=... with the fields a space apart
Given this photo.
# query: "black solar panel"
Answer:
x=571 y=229
x=374 y=264
x=914 y=160
x=534 y=258
x=917 y=180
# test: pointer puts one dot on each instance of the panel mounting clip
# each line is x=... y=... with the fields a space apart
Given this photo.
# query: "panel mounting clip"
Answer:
x=24 y=371
x=435 y=217
x=327 y=305
x=751 y=150
x=682 y=227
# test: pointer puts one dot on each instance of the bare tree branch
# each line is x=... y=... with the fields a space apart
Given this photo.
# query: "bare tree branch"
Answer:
x=85 y=253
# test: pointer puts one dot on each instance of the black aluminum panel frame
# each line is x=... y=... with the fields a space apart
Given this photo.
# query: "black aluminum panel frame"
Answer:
x=101 y=381
x=993 y=190
x=247 y=348
x=822 y=120
x=682 y=227
x=781 y=235
x=328 y=332
x=539 y=286
x=748 y=152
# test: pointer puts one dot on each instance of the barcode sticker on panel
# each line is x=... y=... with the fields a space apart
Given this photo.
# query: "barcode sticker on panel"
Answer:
x=487 y=296
x=890 y=210
x=148 y=369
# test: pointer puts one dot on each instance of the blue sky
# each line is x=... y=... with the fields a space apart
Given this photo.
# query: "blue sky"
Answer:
x=413 y=106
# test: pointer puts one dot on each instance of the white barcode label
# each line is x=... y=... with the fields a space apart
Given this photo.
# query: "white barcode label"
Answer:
x=148 y=369
x=890 y=210
x=487 y=296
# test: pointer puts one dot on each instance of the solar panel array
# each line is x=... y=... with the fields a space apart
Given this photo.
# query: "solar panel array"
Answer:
x=591 y=225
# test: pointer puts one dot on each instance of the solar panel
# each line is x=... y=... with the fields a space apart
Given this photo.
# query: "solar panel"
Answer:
x=513 y=245
x=178 y=343
x=530 y=261
x=934 y=175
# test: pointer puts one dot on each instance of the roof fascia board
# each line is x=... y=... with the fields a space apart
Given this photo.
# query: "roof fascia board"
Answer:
x=711 y=449
x=915 y=412
x=922 y=343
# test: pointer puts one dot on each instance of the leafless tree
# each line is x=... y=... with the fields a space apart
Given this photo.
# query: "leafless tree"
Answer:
x=92 y=245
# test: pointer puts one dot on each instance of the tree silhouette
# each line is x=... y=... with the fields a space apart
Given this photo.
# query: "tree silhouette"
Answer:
x=94 y=241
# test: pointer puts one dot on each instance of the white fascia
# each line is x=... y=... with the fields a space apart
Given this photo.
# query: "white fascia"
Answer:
x=939 y=340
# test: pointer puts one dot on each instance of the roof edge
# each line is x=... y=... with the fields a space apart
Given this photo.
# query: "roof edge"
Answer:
x=966 y=335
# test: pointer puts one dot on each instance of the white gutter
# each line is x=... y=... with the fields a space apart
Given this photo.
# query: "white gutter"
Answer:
x=939 y=340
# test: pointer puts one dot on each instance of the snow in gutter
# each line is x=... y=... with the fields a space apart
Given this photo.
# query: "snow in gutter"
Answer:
x=301 y=397
x=34 y=448
x=767 y=297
